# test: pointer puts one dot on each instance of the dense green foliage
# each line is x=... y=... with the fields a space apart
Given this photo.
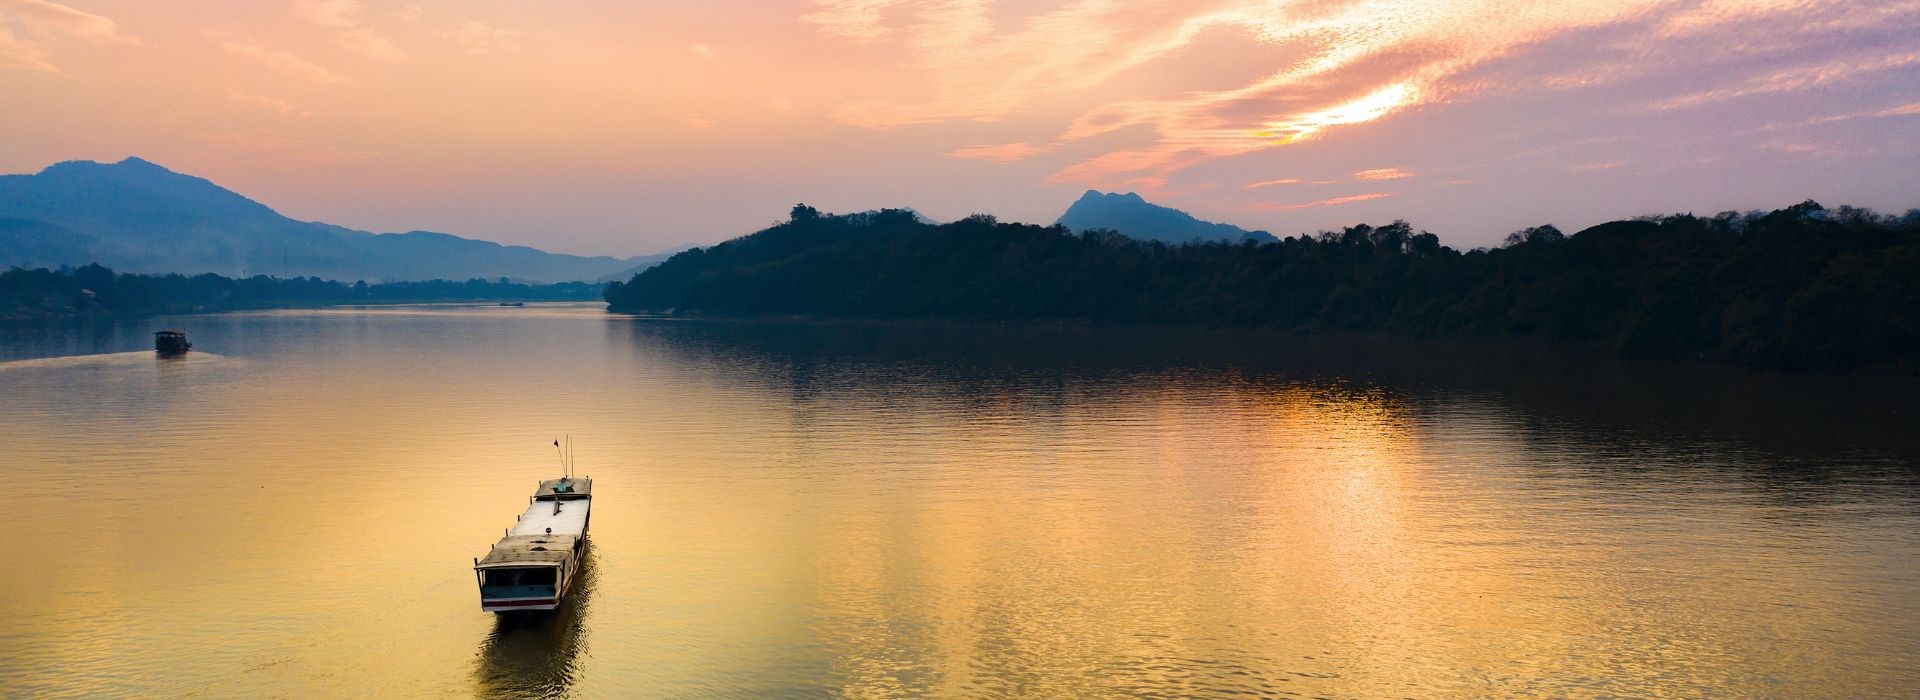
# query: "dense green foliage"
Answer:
x=1804 y=287
x=94 y=289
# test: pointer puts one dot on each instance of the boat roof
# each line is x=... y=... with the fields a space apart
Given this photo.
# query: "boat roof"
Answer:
x=528 y=550
x=168 y=333
x=565 y=487
x=563 y=517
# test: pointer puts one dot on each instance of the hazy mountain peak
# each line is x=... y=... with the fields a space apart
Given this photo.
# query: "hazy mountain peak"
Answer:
x=137 y=216
x=129 y=164
x=1095 y=196
x=1133 y=216
x=138 y=162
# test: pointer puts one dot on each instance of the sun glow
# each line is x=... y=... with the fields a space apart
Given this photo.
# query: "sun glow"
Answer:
x=1375 y=105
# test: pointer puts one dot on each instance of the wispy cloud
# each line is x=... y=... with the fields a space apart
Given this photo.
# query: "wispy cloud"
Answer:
x=1603 y=165
x=481 y=38
x=998 y=153
x=287 y=63
x=1383 y=174
x=355 y=31
x=1270 y=183
x=53 y=19
x=699 y=122
x=703 y=51
x=1342 y=62
x=40 y=24
x=20 y=54
x=269 y=103
x=1330 y=201
x=1906 y=110
x=1794 y=79
x=858 y=20
x=372 y=46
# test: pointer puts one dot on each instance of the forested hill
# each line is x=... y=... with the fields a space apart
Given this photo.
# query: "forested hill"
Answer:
x=1799 y=288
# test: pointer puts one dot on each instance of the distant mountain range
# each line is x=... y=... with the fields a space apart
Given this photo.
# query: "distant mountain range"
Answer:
x=1131 y=216
x=136 y=216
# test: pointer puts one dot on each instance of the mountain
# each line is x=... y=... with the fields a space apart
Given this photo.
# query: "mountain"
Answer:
x=1134 y=217
x=136 y=216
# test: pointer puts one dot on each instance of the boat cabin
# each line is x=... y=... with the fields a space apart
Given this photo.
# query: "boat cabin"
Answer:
x=532 y=567
x=170 y=342
x=528 y=572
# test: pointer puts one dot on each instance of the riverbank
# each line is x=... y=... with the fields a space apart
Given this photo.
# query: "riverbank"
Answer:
x=93 y=290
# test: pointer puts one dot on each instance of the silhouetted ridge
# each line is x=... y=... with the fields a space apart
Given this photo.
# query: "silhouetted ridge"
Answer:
x=1803 y=287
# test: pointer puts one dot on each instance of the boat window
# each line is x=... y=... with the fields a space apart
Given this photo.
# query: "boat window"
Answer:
x=541 y=576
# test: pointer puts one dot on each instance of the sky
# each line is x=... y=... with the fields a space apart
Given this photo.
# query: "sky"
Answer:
x=622 y=128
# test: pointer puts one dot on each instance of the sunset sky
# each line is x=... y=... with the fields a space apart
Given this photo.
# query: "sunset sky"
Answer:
x=622 y=128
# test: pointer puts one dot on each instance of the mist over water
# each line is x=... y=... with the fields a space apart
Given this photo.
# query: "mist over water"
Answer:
x=789 y=509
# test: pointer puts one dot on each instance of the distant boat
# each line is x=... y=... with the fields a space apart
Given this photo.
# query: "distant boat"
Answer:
x=513 y=303
x=170 y=342
x=532 y=567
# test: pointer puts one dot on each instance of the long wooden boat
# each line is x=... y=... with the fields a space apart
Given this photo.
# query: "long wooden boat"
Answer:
x=533 y=566
x=170 y=342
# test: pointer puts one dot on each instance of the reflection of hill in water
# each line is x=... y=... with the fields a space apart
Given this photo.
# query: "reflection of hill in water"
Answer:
x=535 y=655
x=1553 y=395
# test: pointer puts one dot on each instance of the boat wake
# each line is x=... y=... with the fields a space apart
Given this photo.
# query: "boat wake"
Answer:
x=133 y=359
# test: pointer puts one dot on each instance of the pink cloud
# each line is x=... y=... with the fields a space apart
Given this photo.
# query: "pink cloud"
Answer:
x=1335 y=63
x=1270 y=183
x=1330 y=201
x=1383 y=174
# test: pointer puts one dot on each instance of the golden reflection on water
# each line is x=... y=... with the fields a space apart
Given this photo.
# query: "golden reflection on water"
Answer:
x=536 y=656
x=905 y=511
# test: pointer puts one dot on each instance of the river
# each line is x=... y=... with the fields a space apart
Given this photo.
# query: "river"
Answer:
x=902 y=510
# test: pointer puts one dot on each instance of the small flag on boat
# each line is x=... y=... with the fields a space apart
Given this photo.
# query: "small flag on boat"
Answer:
x=556 y=443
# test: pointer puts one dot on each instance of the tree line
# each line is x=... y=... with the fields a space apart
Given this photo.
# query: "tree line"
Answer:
x=1804 y=287
x=93 y=289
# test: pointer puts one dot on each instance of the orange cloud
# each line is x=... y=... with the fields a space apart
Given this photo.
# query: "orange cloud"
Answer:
x=288 y=63
x=43 y=23
x=356 y=33
x=270 y=103
x=482 y=38
x=998 y=153
x=47 y=19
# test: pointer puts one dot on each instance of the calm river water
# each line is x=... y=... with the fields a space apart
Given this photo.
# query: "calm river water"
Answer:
x=901 y=510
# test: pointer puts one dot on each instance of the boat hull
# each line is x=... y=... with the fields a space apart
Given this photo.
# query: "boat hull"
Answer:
x=519 y=604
